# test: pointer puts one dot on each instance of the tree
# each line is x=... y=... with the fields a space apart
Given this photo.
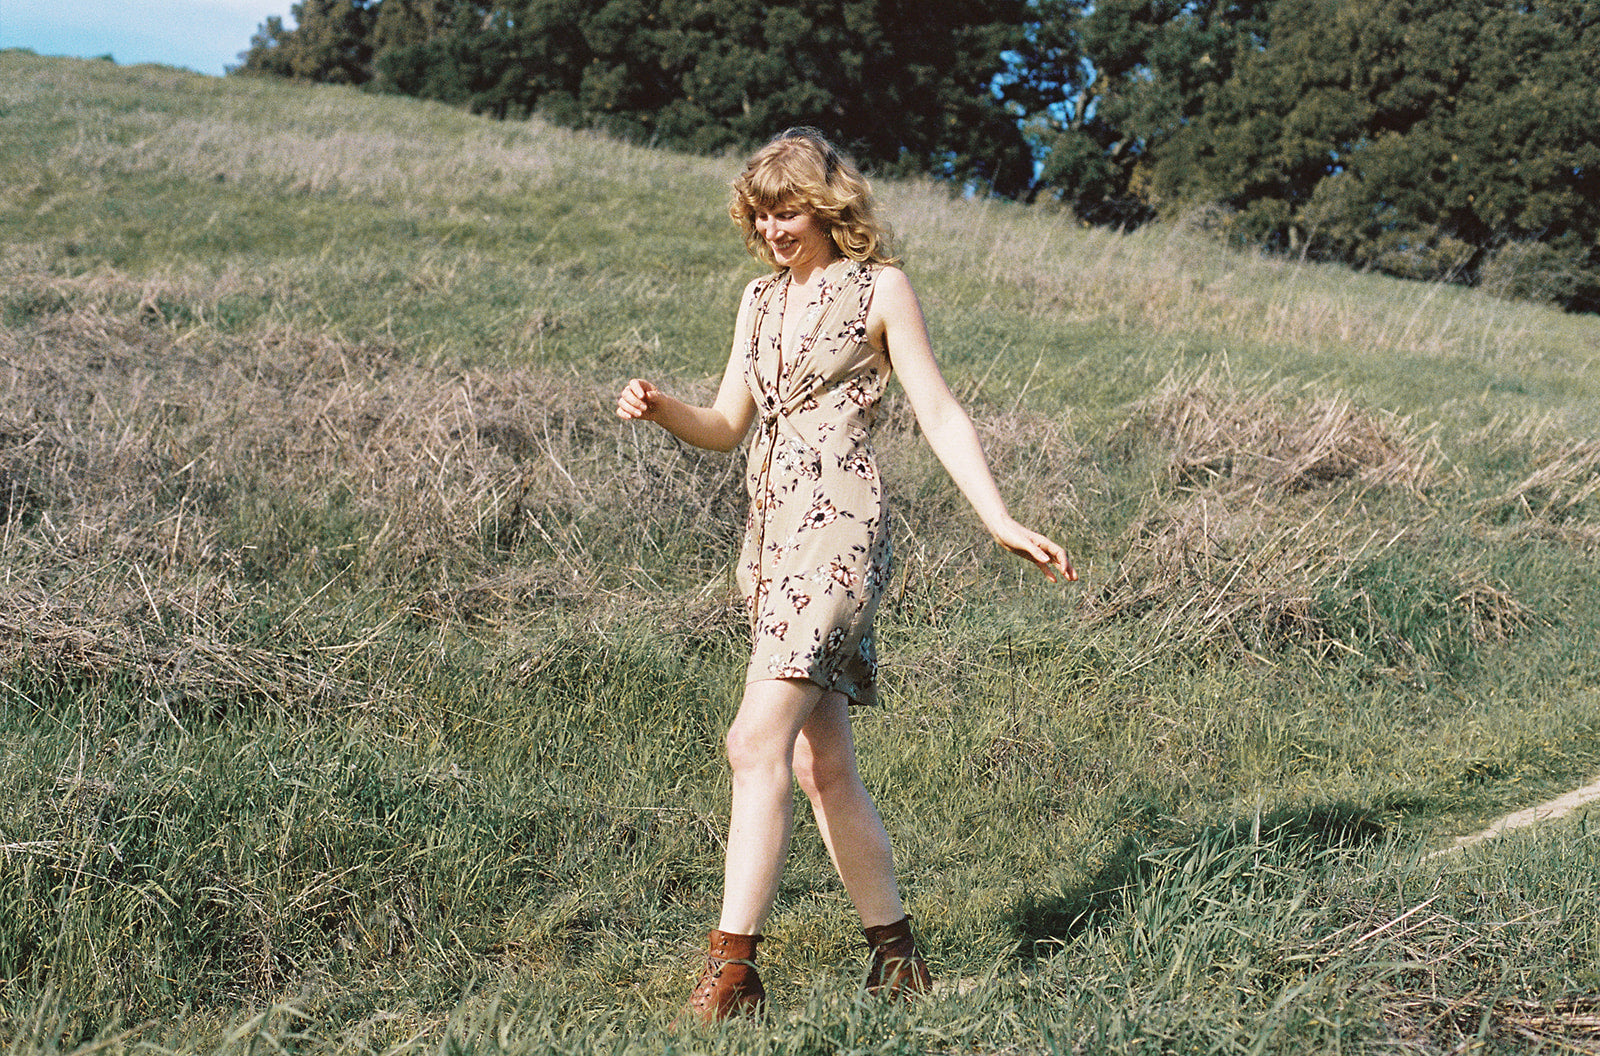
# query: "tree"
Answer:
x=905 y=85
x=1051 y=87
x=1426 y=138
x=1414 y=136
x=407 y=23
x=267 y=53
x=331 y=43
x=1118 y=80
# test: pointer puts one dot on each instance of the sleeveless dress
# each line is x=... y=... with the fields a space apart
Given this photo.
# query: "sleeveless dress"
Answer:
x=815 y=558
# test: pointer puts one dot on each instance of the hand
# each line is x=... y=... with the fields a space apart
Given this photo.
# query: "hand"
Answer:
x=1034 y=547
x=639 y=400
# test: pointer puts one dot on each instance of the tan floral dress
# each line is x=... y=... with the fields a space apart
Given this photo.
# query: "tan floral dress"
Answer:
x=816 y=544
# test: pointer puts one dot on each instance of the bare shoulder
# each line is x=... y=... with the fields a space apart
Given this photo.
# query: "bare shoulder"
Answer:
x=892 y=293
x=893 y=282
x=893 y=299
x=894 y=322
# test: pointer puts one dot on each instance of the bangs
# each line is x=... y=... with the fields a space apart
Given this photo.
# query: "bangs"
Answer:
x=780 y=181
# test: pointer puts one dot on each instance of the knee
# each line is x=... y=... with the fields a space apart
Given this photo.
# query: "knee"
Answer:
x=749 y=752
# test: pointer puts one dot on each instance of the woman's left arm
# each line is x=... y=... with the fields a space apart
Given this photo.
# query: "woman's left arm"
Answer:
x=896 y=323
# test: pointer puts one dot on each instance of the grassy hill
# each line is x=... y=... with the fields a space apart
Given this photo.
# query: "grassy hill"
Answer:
x=364 y=678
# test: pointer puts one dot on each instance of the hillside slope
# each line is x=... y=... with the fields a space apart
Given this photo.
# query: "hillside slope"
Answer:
x=365 y=679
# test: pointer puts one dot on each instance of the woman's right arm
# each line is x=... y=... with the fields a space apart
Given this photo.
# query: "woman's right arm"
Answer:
x=719 y=427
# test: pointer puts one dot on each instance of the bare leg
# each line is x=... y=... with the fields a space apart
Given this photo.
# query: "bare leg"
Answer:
x=825 y=765
x=761 y=746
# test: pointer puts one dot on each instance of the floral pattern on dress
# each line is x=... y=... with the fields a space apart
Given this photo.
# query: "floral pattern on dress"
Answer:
x=816 y=552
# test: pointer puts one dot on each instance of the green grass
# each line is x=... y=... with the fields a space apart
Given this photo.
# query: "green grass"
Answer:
x=364 y=680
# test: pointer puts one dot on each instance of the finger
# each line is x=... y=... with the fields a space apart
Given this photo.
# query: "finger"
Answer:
x=633 y=401
x=641 y=397
x=1058 y=561
x=1040 y=555
x=1068 y=573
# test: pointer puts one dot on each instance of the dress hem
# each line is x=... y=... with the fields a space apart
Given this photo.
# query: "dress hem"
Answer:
x=857 y=699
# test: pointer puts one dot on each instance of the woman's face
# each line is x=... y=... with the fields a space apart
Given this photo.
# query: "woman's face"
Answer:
x=794 y=237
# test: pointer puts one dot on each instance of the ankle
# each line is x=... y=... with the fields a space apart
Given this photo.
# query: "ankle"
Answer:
x=729 y=984
x=897 y=969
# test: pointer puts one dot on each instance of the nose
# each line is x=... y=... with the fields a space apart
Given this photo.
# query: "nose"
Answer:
x=768 y=226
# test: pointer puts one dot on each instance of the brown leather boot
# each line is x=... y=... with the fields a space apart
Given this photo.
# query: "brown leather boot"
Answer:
x=729 y=985
x=897 y=969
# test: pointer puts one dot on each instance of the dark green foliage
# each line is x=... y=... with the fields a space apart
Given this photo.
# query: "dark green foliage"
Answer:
x=331 y=43
x=1428 y=140
x=1109 y=84
x=905 y=86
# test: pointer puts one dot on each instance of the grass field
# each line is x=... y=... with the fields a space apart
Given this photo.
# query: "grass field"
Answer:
x=364 y=679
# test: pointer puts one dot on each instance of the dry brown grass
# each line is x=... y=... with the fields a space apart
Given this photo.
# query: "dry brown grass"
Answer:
x=1176 y=279
x=1263 y=500
x=155 y=473
x=1224 y=436
x=1563 y=480
x=1424 y=1005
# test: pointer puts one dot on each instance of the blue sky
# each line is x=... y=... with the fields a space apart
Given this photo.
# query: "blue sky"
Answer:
x=202 y=35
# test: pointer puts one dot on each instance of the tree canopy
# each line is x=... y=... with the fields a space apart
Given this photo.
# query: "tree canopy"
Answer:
x=903 y=84
x=1426 y=138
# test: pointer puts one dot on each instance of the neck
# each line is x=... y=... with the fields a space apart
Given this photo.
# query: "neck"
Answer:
x=806 y=274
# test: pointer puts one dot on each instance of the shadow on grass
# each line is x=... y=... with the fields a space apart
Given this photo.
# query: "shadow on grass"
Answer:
x=1044 y=922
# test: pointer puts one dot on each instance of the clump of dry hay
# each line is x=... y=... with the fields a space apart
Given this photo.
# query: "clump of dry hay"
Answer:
x=1262 y=507
x=1220 y=435
x=1556 y=497
x=1207 y=570
x=144 y=466
x=174 y=640
x=1438 y=1004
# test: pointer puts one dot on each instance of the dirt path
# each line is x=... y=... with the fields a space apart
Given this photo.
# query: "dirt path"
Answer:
x=1548 y=811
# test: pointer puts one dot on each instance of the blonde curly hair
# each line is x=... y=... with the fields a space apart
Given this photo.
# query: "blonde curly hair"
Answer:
x=801 y=169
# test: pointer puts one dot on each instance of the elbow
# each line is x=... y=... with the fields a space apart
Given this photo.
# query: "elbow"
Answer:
x=730 y=437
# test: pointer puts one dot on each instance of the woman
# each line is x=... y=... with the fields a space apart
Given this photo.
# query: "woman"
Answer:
x=814 y=344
